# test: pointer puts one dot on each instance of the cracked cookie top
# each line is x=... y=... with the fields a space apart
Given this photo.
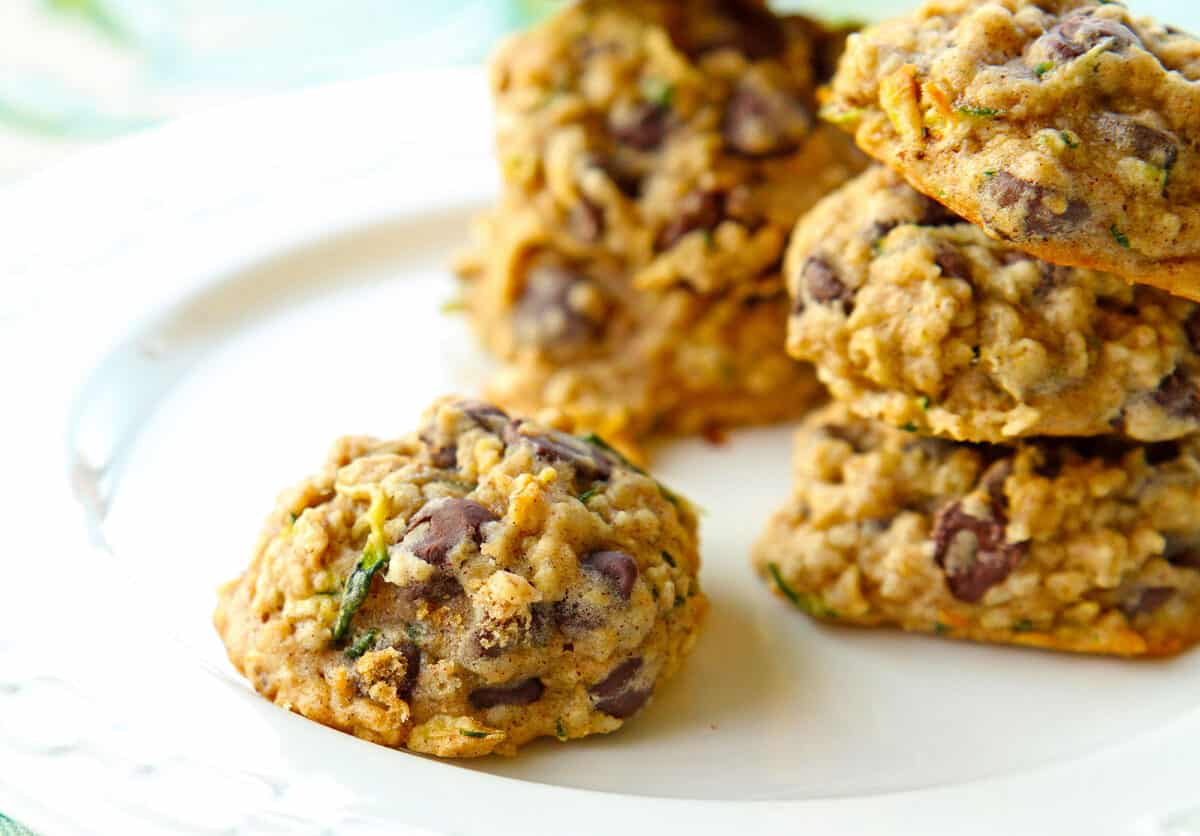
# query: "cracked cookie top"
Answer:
x=467 y=588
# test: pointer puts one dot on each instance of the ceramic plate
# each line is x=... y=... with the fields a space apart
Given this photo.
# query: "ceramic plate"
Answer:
x=254 y=283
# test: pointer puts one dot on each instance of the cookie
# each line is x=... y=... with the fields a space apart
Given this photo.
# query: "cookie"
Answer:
x=679 y=138
x=468 y=588
x=1069 y=128
x=1087 y=545
x=583 y=350
x=917 y=318
x=655 y=156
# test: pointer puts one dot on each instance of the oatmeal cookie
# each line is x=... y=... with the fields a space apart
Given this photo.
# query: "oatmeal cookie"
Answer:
x=679 y=137
x=468 y=588
x=1089 y=545
x=655 y=157
x=584 y=350
x=917 y=318
x=1070 y=128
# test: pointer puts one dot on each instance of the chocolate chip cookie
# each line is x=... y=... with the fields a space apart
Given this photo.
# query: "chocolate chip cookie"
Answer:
x=655 y=157
x=1088 y=545
x=584 y=350
x=917 y=318
x=1069 y=128
x=465 y=589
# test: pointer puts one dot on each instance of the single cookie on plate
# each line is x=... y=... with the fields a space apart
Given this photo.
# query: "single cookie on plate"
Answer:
x=468 y=588
x=655 y=157
x=917 y=318
x=1088 y=545
x=1070 y=128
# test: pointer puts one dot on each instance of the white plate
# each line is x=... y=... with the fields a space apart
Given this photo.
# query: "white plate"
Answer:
x=252 y=284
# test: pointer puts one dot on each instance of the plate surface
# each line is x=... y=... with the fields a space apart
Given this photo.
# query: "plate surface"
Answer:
x=268 y=365
x=295 y=296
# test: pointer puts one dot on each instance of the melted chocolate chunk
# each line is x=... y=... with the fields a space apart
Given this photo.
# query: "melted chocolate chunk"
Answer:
x=616 y=694
x=1080 y=32
x=764 y=122
x=522 y=693
x=616 y=567
x=972 y=552
x=451 y=521
x=552 y=445
x=544 y=314
x=1146 y=600
x=1134 y=139
x=1035 y=201
x=823 y=283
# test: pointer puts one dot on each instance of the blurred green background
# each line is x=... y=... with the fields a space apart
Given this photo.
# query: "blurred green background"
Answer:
x=74 y=72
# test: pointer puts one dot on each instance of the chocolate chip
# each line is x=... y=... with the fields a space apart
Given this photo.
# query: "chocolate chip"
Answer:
x=522 y=693
x=556 y=446
x=489 y=417
x=1146 y=600
x=412 y=668
x=954 y=265
x=1035 y=201
x=641 y=125
x=697 y=210
x=586 y=221
x=762 y=122
x=544 y=314
x=1191 y=327
x=972 y=552
x=823 y=283
x=1134 y=139
x=1182 y=551
x=1178 y=395
x=615 y=695
x=618 y=568
x=451 y=521
x=1080 y=32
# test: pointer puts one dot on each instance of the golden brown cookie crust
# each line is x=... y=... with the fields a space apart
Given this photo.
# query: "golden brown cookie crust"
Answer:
x=1069 y=128
x=917 y=318
x=468 y=588
x=1086 y=545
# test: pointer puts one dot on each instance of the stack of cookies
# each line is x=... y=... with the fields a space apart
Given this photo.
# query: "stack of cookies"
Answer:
x=654 y=157
x=1012 y=454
